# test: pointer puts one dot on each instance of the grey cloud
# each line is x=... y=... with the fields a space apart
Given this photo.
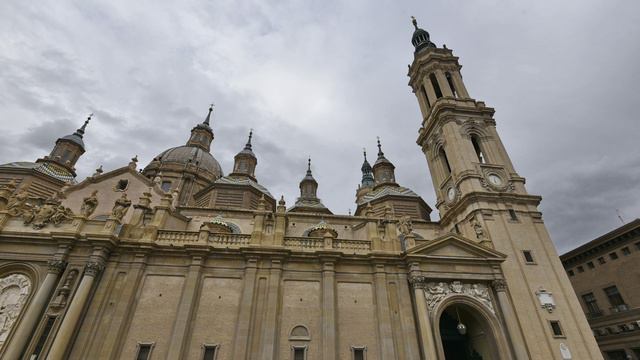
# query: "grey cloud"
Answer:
x=324 y=78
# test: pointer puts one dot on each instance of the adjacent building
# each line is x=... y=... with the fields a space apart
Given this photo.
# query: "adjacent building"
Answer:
x=605 y=274
x=180 y=261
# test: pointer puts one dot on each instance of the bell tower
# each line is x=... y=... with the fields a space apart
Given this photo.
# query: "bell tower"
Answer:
x=482 y=197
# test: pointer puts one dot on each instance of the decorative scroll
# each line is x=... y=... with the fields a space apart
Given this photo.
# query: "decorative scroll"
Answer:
x=435 y=293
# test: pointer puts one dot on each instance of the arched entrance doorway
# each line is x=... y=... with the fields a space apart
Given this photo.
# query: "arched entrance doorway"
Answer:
x=466 y=335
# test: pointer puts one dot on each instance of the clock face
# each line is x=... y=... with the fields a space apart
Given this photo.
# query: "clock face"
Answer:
x=495 y=179
x=451 y=193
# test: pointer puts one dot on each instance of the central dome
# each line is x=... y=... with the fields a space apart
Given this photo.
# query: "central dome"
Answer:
x=185 y=156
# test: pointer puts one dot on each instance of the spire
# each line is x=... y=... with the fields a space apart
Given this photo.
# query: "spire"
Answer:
x=367 y=174
x=201 y=134
x=80 y=131
x=415 y=22
x=208 y=119
x=380 y=153
x=309 y=167
x=245 y=161
x=248 y=145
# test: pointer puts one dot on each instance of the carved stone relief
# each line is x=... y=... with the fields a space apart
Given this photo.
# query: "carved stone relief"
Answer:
x=436 y=292
x=14 y=290
x=51 y=212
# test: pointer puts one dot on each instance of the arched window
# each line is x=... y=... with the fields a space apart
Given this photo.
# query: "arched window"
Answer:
x=445 y=162
x=436 y=87
x=451 y=86
x=426 y=98
x=478 y=149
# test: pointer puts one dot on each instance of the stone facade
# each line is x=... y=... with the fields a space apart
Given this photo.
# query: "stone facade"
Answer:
x=173 y=264
x=604 y=273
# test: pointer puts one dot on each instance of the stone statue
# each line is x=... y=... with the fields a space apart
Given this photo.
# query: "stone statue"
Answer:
x=477 y=228
x=61 y=215
x=89 y=204
x=121 y=206
x=405 y=226
x=17 y=203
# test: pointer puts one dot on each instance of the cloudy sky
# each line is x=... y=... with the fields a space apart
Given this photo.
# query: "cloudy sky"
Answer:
x=324 y=78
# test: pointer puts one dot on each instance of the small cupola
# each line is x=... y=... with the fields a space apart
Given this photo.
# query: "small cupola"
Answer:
x=420 y=38
x=202 y=134
x=367 y=172
x=245 y=161
x=68 y=149
x=383 y=169
x=309 y=185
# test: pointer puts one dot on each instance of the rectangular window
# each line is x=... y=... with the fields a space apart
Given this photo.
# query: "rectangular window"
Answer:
x=601 y=260
x=570 y=272
x=580 y=269
x=556 y=328
x=144 y=351
x=299 y=353
x=625 y=251
x=615 y=299
x=513 y=215
x=358 y=353
x=528 y=257
x=591 y=304
x=590 y=265
x=613 y=256
x=209 y=352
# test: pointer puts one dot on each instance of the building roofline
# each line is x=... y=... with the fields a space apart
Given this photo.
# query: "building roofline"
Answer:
x=600 y=242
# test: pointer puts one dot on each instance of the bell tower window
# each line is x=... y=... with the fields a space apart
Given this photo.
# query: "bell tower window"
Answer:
x=445 y=162
x=436 y=87
x=451 y=86
x=426 y=98
x=478 y=149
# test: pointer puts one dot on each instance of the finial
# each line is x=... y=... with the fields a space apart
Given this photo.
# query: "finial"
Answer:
x=281 y=202
x=415 y=22
x=248 y=146
x=380 y=153
x=82 y=128
x=364 y=151
x=208 y=119
x=309 y=166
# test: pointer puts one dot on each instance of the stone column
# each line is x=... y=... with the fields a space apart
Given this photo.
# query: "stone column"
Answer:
x=59 y=347
x=241 y=341
x=26 y=327
x=328 y=311
x=427 y=342
x=460 y=88
x=444 y=84
x=517 y=340
x=271 y=319
x=384 y=315
x=185 y=308
x=431 y=94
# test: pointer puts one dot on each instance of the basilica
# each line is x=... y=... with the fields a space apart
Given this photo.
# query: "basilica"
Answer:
x=176 y=260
